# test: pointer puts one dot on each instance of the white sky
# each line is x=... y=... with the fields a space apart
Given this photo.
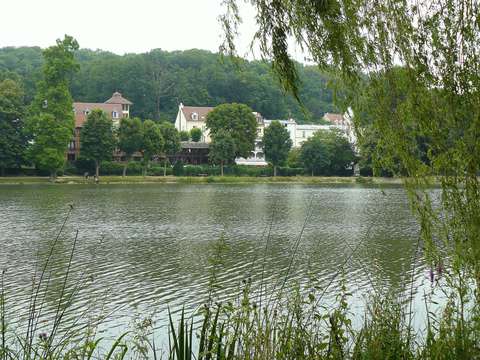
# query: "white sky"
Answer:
x=123 y=26
x=120 y=26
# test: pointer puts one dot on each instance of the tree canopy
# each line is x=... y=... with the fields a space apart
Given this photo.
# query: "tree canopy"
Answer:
x=130 y=138
x=276 y=144
x=152 y=142
x=239 y=122
x=328 y=153
x=222 y=149
x=157 y=81
x=50 y=122
x=12 y=139
x=171 y=140
x=97 y=138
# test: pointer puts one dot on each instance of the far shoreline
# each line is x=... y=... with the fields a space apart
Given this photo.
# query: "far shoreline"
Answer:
x=109 y=180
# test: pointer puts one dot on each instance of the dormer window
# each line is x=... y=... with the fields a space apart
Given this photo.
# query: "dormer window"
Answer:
x=194 y=116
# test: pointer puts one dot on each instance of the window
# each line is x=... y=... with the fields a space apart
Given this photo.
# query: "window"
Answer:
x=71 y=145
x=86 y=111
x=124 y=107
x=303 y=134
x=114 y=114
x=194 y=116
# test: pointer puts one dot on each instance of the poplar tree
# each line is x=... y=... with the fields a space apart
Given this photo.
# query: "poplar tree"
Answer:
x=97 y=138
x=152 y=143
x=129 y=139
x=171 y=144
x=12 y=139
x=50 y=123
x=276 y=144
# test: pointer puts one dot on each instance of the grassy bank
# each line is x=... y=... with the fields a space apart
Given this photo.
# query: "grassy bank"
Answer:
x=202 y=180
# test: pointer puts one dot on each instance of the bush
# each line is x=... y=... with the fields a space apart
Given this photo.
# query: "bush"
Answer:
x=83 y=166
x=178 y=168
x=288 y=171
x=237 y=170
x=157 y=170
x=114 y=168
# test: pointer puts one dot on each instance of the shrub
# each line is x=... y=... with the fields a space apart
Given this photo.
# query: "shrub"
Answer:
x=178 y=168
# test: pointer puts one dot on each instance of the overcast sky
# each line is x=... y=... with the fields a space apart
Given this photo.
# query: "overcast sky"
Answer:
x=123 y=26
x=120 y=26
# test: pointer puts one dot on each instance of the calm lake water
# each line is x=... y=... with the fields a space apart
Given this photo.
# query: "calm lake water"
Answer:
x=142 y=248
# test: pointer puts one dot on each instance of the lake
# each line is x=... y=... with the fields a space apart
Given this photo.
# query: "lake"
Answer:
x=142 y=248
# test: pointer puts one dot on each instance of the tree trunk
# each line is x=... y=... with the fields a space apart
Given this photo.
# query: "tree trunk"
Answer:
x=97 y=168
x=53 y=175
x=312 y=172
x=165 y=166
x=274 y=170
x=221 y=168
x=2 y=171
x=125 y=169
x=145 y=169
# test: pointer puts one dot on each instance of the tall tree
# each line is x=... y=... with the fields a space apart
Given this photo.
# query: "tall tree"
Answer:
x=276 y=144
x=239 y=122
x=315 y=156
x=171 y=144
x=130 y=139
x=222 y=149
x=152 y=143
x=97 y=138
x=53 y=102
x=12 y=140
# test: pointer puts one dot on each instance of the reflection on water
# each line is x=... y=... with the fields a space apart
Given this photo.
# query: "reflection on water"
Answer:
x=142 y=248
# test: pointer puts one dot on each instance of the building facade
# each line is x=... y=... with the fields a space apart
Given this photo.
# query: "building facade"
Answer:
x=189 y=117
x=116 y=107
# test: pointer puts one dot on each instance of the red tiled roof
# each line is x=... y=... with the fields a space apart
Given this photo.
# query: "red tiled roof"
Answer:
x=117 y=98
x=202 y=112
x=80 y=108
x=334 y=118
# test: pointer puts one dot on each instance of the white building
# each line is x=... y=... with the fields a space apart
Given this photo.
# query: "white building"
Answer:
x=190 y=117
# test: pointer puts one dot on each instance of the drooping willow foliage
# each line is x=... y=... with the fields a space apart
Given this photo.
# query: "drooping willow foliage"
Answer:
x=412 y=70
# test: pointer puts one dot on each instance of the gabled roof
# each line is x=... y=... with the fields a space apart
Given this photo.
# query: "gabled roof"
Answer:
x=334 y=118
x=80 y=108
x=201 y=111
x=117 y=98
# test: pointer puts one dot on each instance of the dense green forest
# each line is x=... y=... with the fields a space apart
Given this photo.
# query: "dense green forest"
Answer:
x=158 y=81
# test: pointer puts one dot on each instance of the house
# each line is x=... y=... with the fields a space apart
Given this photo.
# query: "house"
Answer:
x=335 y=119
x=116 y=107
x=189 y=117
